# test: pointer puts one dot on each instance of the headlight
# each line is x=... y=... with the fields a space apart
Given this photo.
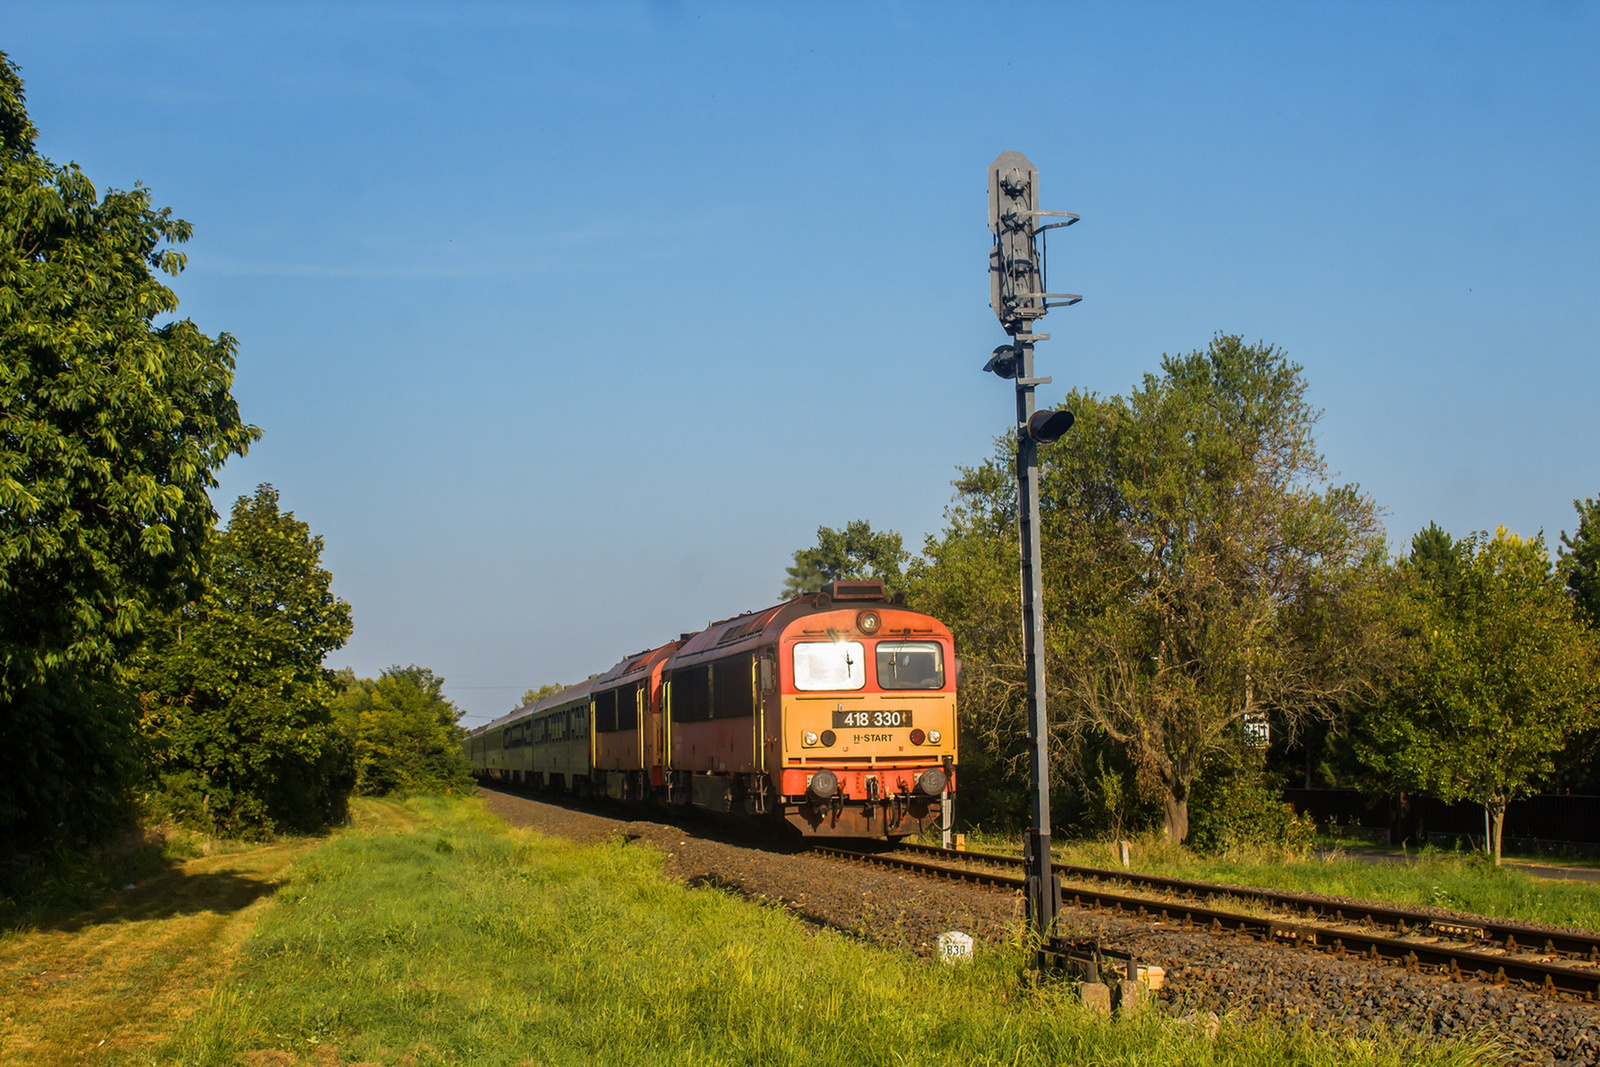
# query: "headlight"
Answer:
x=808 y=738
x=934 y=736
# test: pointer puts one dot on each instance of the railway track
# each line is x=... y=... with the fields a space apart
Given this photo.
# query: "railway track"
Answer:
x=1479 y=948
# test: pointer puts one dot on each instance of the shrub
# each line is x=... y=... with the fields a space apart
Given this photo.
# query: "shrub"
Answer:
x=1231 y=809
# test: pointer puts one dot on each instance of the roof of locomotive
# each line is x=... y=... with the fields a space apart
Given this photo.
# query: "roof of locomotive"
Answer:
x=743 y=632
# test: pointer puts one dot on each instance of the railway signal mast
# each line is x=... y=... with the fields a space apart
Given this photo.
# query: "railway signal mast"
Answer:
x=1017 y=294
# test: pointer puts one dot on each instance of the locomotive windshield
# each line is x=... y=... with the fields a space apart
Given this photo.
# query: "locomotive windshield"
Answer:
x=829 y=665
x=910 y=665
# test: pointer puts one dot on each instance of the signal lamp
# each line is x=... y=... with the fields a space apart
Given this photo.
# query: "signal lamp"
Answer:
x=934 y=736
x=1046 y=427
x=917 y=737
x=828 y=738
x=1004 y=362
x=867 y=622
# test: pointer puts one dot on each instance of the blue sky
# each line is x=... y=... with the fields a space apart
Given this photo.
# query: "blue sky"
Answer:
x=567 y=324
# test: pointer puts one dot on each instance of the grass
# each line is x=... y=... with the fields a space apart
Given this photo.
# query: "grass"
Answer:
x=434 y=934
x=1462 y=881
x=111 y=980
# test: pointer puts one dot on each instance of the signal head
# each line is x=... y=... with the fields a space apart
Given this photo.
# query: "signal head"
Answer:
x=1004 y=362
x=1047 y=427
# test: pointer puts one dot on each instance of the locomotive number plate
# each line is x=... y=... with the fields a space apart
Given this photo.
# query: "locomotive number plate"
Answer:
x=856 y=720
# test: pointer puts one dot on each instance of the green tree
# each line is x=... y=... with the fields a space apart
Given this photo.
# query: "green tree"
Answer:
x=1198 y=573
x=405 y=733
x=1498 y=678
x=1436 y=558
x=1580 y=561
x=968 y=576
x=533 y=696
x=858 y=551
x=237 y=705
x=110 y=430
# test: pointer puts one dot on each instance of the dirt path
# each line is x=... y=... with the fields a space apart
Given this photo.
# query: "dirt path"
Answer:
x=122 y=976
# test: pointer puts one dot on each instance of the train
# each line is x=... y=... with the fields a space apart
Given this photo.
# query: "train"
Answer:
x=833 y=712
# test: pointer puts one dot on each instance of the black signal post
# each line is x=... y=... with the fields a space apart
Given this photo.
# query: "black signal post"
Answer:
x=1017 y=294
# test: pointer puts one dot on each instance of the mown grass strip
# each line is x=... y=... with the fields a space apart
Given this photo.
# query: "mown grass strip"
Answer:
x=102 y=983
x=460 y=941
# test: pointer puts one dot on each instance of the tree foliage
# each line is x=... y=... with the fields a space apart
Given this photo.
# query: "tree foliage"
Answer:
x=110 y=430
x=856 y=552
x=404 y=732
x=968 y=577
x=1497 y=678
x=538 y=693
x=237 y=705
x=1580 y=561
x=1196 y=572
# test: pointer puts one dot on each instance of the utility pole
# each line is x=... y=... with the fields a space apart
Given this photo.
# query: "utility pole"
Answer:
x=1017 y=294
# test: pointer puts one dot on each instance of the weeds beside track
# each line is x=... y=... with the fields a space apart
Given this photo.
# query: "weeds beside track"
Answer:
x=460 y=941
x=1477 y=948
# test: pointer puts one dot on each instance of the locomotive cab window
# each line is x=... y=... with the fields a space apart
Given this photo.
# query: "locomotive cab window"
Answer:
x=829 y=665
x=910 y=665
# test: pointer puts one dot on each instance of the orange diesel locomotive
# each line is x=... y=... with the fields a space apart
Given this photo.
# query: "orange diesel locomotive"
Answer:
x=835 y=711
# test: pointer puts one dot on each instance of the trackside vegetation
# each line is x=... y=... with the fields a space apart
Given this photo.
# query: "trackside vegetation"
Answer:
x=1225 y=619
x=445 y=937
x=1461 y=881
x=111 y=430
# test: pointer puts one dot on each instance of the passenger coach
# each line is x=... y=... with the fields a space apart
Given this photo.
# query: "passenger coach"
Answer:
x=835 y=711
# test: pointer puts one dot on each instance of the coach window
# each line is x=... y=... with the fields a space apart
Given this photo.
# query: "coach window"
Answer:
x=829 y=665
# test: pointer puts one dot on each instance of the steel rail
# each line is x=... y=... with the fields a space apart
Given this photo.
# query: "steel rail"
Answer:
x=1510 y=936
x=1341 y=941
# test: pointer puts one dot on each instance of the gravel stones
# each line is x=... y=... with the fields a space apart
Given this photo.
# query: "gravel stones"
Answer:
x=1205 y=972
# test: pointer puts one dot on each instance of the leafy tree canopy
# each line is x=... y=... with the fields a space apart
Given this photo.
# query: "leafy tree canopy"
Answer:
x=533 y=696
x=1497 y=678
x=110 y=430
x=1580 y=561
x=1436 y=559
x=405 y=732
x=237 y=703
x=1197 y=572
x=856 y=552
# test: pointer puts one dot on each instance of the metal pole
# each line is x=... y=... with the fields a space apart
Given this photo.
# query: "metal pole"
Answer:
x=1017 y=293
x=1041 y=885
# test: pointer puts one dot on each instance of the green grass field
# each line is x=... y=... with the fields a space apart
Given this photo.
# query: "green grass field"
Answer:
x=1461 y=881
x=437 y=935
